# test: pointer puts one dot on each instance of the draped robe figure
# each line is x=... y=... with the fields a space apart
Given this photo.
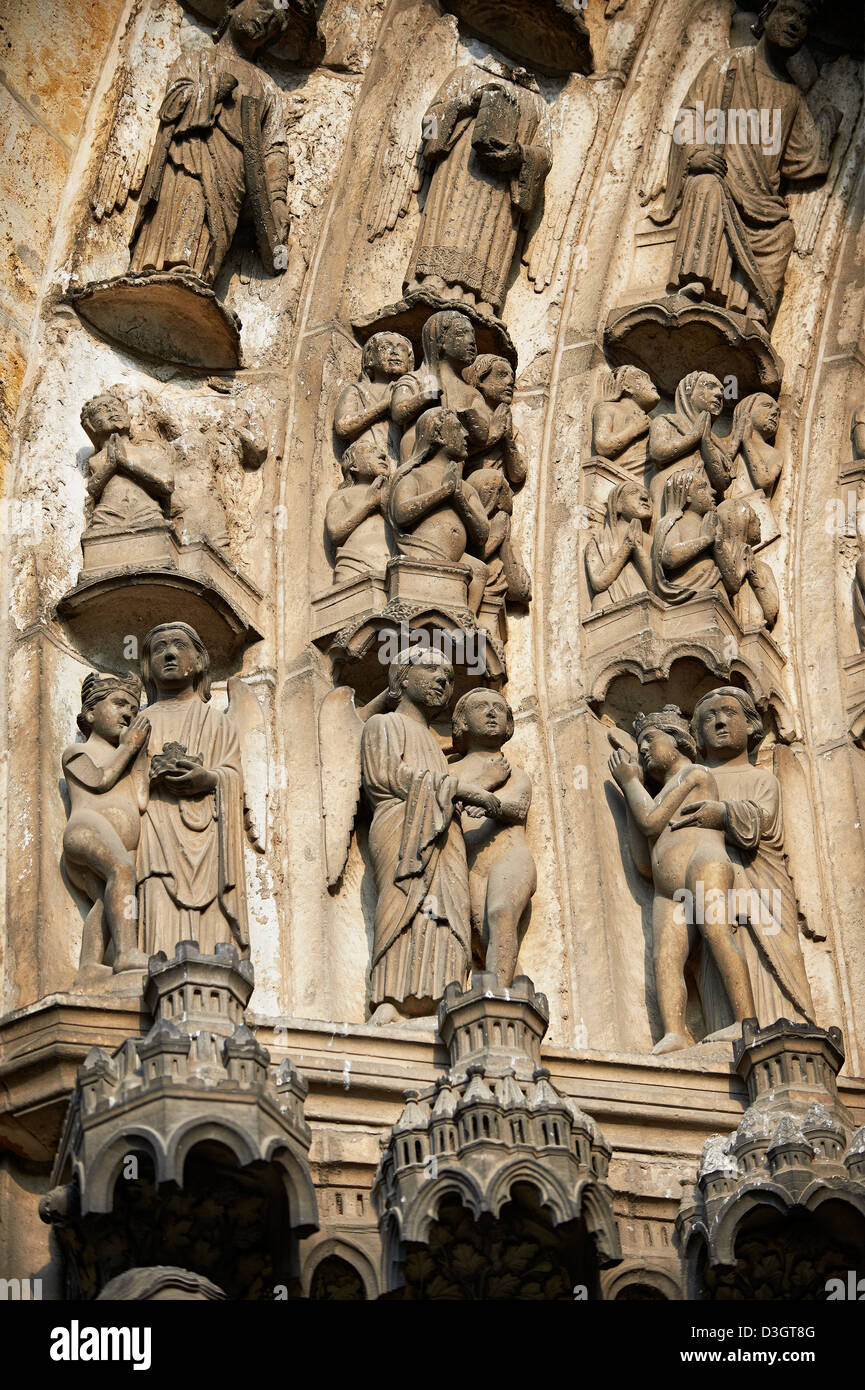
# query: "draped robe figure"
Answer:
x=477 y=201
x=607 y=546
x=218 y=113
x=190 y=856
x=735 y=234
x=422 y=926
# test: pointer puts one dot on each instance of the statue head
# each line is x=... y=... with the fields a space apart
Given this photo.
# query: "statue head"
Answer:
x=108 y=705
x=699 y=391
x=387 y=355
x=631 y=502
x=662 y=739
x=422 y=675
x=760 y=413
x=254 y=24
x=632 y=382
x=103 y=416
x=364 y=460
x=158 y=1283
x=438 y=429
x=785 y=23
x=448 y=334
x=481 y=718
x=693 y=487
x=173 y=657
x=493 y=377
x=726 y=723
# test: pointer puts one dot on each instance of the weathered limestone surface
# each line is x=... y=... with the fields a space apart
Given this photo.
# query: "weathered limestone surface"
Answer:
x=546 y=519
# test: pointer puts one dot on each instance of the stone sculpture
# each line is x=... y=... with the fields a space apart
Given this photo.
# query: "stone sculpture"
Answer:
x=496 y=469
x=221 y=142
x=487 y=143
x=735 y=235
x=698 y=546
x=502 y=872
x=755 y=426
x=191 y=880
x=421 y=934
x=129 y=485
x=618 y=558
x=355 y=516
x=857 y=436
x=684 y=439
x=433 y=511
x=688 y=859
x=621 y=423
x=449 y=347
x=107 y=783
x=363 y=410
x=727 y=726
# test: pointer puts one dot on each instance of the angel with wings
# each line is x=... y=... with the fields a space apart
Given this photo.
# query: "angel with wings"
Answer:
x=221 y=140
x=487 y=144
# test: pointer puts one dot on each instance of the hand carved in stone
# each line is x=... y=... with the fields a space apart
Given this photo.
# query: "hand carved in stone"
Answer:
x=698 y=546
x=502 y=872
x=620 y=422
x=727 y=727
x=355 y=515
x=496 y=469
x=685 y=439
x=755 y=427
x=106 y=779
x=433 y=510
x=487 y=144
x=129 y=485
x=725 y=176
x=618 y=558
x=363 y=410
x=221 y=140
x=689 y=865
x=422 y=924
x=191 y=881
x=449 y=347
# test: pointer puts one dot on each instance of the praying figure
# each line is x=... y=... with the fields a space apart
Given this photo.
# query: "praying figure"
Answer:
x=755 y=426
x=502 y=871
x=618 y=561
x=735 y=235
x=191 y=881
x=435 y=513
x=106 y=779
x=685 y=438
x=363 y=410
x=129 y=485
x=421 y=934
x=355 y=515
x=621 y=423
x=497 y=468
x=221 y=141
x=487 y=143
x=449 y=347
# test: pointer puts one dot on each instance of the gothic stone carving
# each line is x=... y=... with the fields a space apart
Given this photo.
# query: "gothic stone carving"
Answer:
x=221 y=141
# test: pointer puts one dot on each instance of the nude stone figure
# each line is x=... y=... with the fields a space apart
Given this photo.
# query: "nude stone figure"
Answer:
x=620 y=422
x=685 y=856
x=502 y=872
x=449 y=347
x=354 y=517
x=107 y=782
x=363 y=410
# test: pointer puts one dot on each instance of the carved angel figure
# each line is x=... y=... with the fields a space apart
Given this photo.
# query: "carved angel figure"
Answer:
x=685 y=439
x=502 y=872
x=106 y=779
x=618 y=562
x=689 y=864
x=620 y=422
x=735 y=235
x=191 y=881
x=487 y=141
x=221 y=140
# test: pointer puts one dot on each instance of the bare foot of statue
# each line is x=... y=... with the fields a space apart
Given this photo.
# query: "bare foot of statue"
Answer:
x=486 y=309
x=670 y=1042
x=695 y=289
x=92 y=974
x=427 y=282
x=385 y=1013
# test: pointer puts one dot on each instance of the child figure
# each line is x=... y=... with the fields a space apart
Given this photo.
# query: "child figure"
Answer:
x=107 y=780
x=502 y=873
x=686 y=857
